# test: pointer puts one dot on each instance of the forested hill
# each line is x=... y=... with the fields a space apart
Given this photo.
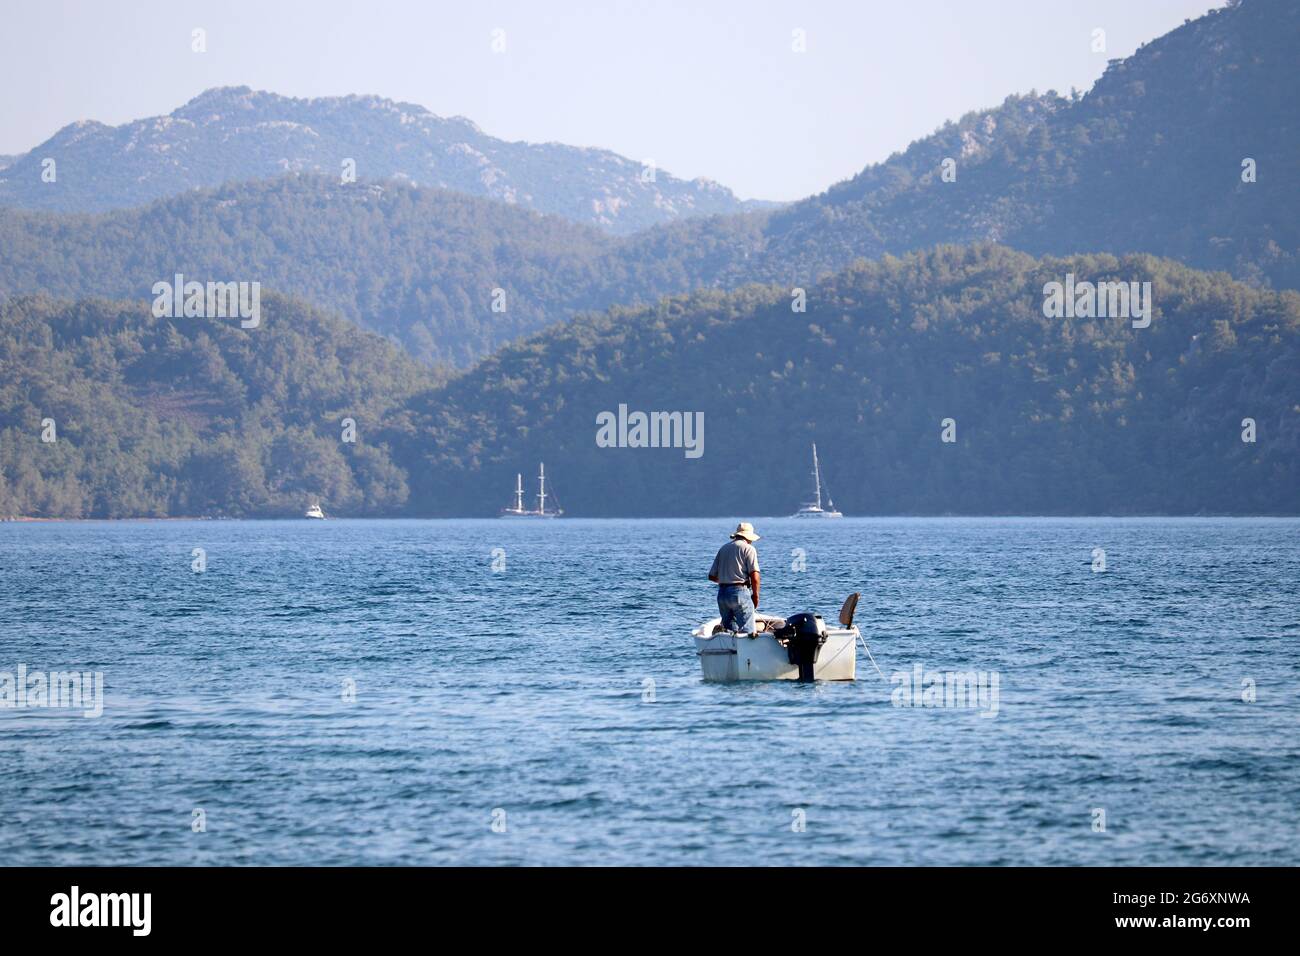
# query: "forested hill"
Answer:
x=154 y=417
x=1051 y=415
x=1147 y=161
x=168 y=416
x=235 y=133
x=420 y=266
x=417 y=265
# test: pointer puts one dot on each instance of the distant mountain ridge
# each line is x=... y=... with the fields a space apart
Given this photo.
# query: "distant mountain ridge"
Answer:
x=235 y=134
x=1149 y=160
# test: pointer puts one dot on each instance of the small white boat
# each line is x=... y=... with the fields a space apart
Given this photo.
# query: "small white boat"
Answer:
x=814 y=509
x=726 y=656
x=517 y=509
x=315 y=512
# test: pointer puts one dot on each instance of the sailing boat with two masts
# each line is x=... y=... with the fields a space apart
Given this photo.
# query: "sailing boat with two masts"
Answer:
x=814 y=509
x=517 y=509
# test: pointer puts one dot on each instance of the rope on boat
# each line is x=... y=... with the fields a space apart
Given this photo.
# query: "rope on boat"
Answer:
x=873 y=660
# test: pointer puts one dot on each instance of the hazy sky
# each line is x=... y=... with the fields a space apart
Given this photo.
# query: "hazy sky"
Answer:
x=702 y=88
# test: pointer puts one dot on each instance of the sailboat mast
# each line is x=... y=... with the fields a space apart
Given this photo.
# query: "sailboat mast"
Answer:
x=519 y=492
x=817 y=477
x=541 y=489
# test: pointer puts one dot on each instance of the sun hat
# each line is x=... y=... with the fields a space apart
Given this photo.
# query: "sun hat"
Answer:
x=745 y=530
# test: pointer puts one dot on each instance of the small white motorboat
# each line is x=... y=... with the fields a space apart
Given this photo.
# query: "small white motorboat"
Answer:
x=727 y=656
x=315 y=512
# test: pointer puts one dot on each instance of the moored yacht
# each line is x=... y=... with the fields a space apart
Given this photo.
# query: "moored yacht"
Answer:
x=517 y=510
x=814 y=509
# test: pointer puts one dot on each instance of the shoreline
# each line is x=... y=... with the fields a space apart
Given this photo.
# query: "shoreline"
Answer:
x=720 y=517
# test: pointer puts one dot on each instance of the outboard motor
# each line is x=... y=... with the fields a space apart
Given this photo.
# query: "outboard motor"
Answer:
x=803 y=636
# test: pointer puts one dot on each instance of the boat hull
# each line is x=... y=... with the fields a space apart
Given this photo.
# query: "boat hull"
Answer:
x=728 y=657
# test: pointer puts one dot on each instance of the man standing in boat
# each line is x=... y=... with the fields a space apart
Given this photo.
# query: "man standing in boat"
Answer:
x=735 y=572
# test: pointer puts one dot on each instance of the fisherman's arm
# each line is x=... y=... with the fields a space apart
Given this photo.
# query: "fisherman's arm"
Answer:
x=713 y=577
x=753 y=586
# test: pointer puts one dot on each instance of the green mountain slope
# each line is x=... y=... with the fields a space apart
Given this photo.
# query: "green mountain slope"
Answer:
x=157 y=417
x=1052 y=415
x=417 y=265
x=1150 y=160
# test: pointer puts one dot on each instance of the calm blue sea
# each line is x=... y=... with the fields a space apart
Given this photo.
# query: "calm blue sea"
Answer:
x=560 y=698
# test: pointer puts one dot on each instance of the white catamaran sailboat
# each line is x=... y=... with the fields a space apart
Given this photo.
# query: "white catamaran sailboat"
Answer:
x=814 y=509
x=517 y=509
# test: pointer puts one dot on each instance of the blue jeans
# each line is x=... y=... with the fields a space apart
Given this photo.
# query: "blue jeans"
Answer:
x=737 y=608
